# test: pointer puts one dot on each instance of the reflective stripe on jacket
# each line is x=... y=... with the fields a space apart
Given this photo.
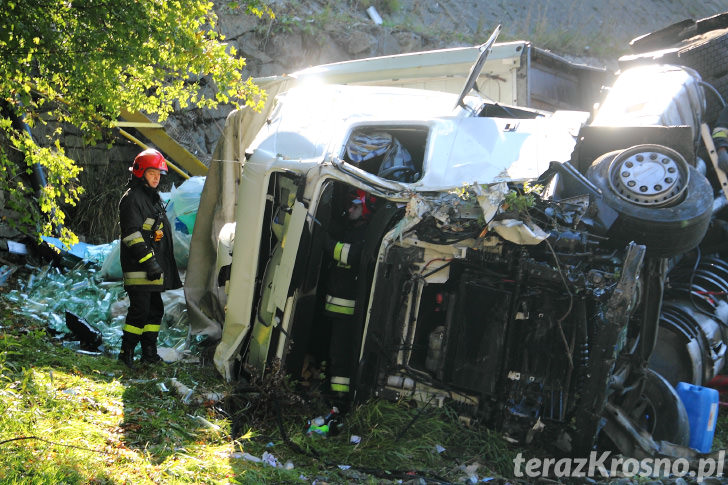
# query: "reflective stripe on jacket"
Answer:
x=342 y=306
x=141 y=214
x=344 y=248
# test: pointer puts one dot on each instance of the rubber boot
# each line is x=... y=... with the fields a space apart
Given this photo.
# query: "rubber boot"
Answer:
x=342 y=402
x=149 y=348
x=128 y=343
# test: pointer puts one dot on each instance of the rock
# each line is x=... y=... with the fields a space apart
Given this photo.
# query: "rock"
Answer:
x=408 y=41
x=332 y=52
x=360 y=42
x=235 y=25
x=249 y=47
x=289 y=50
x=271 y=69
x=388 y=45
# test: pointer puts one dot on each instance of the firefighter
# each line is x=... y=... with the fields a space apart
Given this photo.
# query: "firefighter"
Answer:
x=720 y=139
x=147 y=256
x=344 y=246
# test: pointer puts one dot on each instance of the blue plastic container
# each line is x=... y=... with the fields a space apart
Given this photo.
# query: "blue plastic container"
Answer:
x=701 y=404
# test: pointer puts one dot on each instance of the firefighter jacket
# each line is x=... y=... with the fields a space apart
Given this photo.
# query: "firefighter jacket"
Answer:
x=146 y=239
x=344 y=247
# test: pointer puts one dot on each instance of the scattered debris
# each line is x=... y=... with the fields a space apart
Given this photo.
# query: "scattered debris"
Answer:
x=88 y=336
x=206 y=423
x=246 y=456
x=374 y=15
x=97 y=308
x=270 y=460
x=182 y=390
x=323 y=425
x=470 y=470
x=17 y=248
x=5 y=272
x=169 y=354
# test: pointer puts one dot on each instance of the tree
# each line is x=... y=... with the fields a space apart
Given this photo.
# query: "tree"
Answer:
x=80 y=62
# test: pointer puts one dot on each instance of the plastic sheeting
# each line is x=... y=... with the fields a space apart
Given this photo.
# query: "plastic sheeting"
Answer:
x=183 y=203
x=396 y=161
x=365 y=146
x=205 y=299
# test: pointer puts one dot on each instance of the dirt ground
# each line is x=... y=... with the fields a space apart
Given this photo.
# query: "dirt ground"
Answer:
x=595 y=31
x=620 y=20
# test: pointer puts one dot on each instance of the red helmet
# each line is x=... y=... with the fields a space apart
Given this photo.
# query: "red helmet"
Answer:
x=367 y=201
x=149 y=158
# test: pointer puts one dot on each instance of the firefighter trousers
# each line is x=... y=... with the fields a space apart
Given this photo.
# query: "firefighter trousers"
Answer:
x=144 y=317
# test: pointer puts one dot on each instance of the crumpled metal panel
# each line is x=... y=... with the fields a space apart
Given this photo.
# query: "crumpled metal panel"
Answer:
x=654 y=95
x=489 y=150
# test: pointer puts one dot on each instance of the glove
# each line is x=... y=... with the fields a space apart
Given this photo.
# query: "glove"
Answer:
x=723 y=159
x=722 y=117
x=158 y=234
x=329 y=243
x=720 y=132
x=720 y=137
x=154 y=271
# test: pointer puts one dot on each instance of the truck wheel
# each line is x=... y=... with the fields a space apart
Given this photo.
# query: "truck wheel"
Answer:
x=713 y=104
x=706 y=53
x=660 y=411
x=662 y=38
x=662 y=202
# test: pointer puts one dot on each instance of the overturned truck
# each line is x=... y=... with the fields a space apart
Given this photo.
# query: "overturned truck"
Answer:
x=519 y=265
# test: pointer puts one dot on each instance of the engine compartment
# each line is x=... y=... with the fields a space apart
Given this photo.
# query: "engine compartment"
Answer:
x=509 y=326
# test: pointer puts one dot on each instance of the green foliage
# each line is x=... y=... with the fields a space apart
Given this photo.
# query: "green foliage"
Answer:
x=522 y=200
x=721 y=432
x=81 y=62
x=391 y=6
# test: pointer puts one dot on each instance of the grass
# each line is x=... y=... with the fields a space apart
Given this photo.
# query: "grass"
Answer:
x=536 y=26
x=67 y=417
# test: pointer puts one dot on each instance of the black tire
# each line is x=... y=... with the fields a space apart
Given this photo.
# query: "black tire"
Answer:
x=661 y=412
x=666 y=231
x=674 y=356
x=706 y=53
x=713 y=104
x=665 y=37
x=717 y=21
